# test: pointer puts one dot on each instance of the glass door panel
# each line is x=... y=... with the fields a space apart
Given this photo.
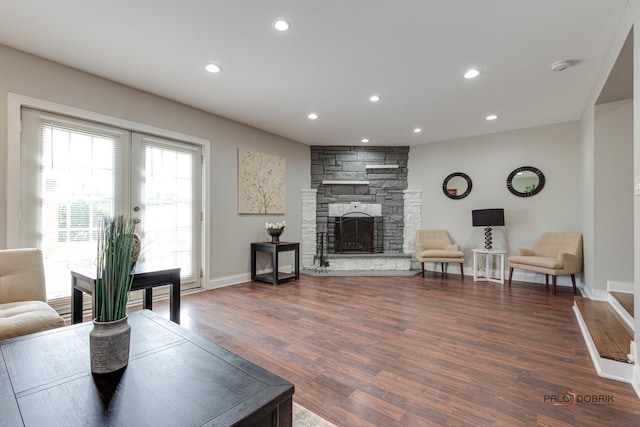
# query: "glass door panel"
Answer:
x=73 y=175
x=166 y=198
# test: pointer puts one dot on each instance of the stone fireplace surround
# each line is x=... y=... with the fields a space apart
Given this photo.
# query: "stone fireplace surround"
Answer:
x=387 y=261
x=372 y=180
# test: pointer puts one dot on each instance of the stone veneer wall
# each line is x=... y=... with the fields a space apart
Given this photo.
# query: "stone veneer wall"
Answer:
x=308 y=246
x=386 y=186
x=412 y=219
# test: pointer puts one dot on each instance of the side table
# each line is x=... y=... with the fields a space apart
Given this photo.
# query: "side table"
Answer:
x=275 y=249
x=490 y=256
x=145 y=276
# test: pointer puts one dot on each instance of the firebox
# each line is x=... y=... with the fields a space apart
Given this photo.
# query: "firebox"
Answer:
x=357 y=232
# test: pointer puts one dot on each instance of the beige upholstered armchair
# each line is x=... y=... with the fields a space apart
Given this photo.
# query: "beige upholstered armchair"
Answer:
x=436 y=246
x=23 y=307
x=554 y=254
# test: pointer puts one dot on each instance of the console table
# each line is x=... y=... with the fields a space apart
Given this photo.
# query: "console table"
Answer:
x=146 y=276
x=489 y=256
x=174 y=378
x=275 y=249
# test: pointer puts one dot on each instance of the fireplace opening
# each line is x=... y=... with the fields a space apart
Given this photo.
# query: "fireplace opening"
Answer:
x=357 y=232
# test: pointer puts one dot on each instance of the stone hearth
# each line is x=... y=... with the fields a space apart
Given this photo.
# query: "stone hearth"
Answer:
x=369 y=262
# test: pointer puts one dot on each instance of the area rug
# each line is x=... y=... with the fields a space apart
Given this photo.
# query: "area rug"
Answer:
x=302 y=417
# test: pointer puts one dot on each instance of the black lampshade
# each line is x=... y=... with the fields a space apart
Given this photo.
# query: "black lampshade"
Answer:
x=487 y=217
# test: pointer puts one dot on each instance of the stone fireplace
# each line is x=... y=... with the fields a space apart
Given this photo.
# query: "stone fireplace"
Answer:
x=361 y=191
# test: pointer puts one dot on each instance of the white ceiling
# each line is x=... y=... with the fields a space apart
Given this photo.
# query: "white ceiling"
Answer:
x=338 y=52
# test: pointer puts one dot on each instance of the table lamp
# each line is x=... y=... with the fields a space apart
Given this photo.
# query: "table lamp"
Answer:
x=487 y=218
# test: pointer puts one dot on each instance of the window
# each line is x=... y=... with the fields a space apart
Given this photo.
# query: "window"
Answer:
x=75 y=172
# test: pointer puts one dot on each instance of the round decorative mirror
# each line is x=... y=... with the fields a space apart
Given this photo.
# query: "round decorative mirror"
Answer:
x=457 y=185
x=525 y=181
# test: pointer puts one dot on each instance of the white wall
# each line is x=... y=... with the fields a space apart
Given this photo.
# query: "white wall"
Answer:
x=597 y=126
x=231 y=234
x=613 y=194
x=630 y=18
x=488 y=160
x=586 y=185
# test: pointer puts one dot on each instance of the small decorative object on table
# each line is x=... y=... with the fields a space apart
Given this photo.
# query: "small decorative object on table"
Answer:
x=275 y=230
x=137 y=243
x=109 y=340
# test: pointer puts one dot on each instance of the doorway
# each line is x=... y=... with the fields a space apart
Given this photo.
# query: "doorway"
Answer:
x=74 y=172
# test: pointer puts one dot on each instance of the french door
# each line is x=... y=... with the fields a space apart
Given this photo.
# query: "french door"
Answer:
x=75 y=172
x=166 y=199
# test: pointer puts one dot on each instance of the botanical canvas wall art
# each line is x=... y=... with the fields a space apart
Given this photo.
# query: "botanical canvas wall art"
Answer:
x=261 y=183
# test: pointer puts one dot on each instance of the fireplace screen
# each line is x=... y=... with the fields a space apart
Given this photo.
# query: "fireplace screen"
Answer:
x=357 y=232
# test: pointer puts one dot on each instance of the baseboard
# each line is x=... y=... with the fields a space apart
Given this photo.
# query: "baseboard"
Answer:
x=235 y=279
x=522 y=276
x=221 y=282
x=622 y=287
x=585 y=291
x=533 y=277
x=518 y=275
x=635 y=382
x=599 y=295
x=602 y=295
x=617 y=371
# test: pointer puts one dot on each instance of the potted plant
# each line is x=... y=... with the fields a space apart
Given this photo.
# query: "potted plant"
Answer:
x=275 y=230
x=110 y=338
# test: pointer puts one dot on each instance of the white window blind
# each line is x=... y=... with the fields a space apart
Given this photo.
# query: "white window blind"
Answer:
x=72 y=173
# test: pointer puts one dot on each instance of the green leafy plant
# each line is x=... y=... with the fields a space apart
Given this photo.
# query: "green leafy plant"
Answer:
x=113 y=277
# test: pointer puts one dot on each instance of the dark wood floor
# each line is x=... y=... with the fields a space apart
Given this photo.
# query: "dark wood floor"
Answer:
x=408 y=351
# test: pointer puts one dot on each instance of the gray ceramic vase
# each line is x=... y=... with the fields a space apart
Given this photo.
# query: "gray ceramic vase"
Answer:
x=109 y=346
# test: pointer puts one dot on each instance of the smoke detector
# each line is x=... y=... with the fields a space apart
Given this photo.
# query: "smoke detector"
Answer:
x=560 y=65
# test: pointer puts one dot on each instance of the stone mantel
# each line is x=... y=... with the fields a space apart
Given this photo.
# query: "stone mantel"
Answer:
x=329 y=182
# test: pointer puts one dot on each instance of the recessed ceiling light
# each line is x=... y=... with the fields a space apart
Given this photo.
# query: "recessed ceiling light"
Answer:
x=365 y=140
x=375 y=98
x=312 y=116
x=282 y=25
x=491 y=117
x=472 y=73
x=417 y=130
x=213 y=68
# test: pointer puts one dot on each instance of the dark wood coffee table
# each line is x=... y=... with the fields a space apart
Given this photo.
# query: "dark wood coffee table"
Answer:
x=174 y=378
